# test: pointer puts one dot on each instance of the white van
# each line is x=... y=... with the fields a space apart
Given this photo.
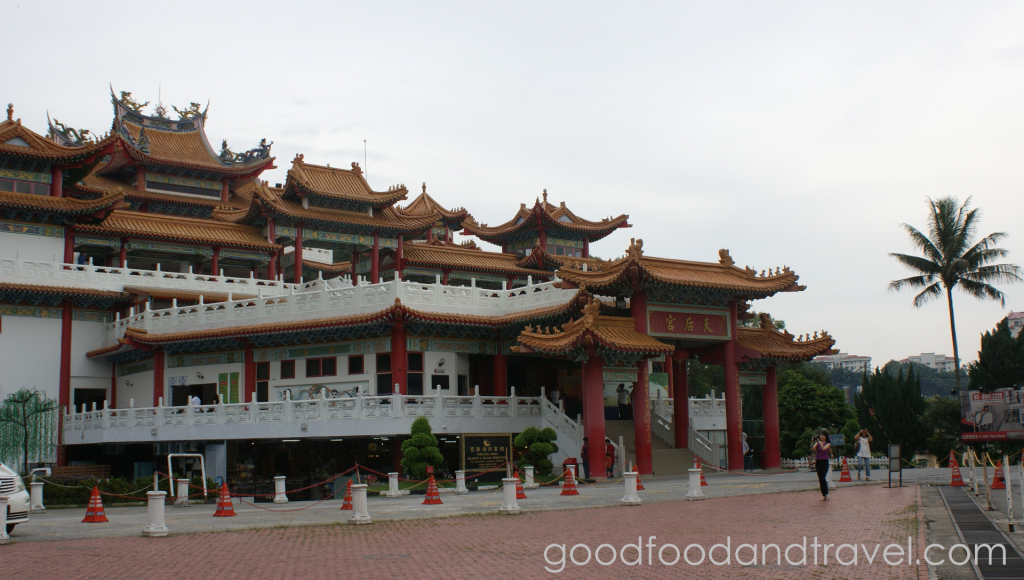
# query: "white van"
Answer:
x=13 y=488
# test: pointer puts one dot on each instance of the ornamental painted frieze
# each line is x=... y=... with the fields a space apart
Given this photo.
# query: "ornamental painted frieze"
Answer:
x=344 y=348
x=31 y=229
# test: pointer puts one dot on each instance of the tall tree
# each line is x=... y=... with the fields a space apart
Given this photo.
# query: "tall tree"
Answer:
x=806 y=405
x=952 y=258
x=1000 y=363
x=891 y=408
x=28 y=426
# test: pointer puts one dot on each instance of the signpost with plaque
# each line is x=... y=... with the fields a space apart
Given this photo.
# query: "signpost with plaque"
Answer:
x=485 y=452
x=895 y=463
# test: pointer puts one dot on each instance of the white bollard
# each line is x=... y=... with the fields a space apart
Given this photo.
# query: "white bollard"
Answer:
x=508 y=496
x=36 y=495
x=460 y=483
x=279 y=495
x=828 y=476
x=156 y=528
x=695 y=490
x=359 y=510
x=4 y=538
x=530 y=483
x=393 y=485
x=575 y=476
x=182 y=499
x=631 y=497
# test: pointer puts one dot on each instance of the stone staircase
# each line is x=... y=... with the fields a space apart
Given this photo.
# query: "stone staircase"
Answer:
x=666 y=460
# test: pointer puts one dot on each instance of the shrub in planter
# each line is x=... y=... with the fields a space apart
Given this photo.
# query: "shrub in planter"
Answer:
x=420 y=450
x=539 y=444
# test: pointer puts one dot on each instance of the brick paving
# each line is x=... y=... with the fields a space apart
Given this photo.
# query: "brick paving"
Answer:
x=485 y=546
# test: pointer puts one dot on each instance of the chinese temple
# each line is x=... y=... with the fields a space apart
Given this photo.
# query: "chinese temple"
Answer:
x=170 y=300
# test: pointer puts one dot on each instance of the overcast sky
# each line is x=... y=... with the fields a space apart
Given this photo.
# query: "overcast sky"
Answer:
x=798 y=134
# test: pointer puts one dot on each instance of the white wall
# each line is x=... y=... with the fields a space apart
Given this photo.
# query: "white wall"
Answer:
x=29 y=353
x=87 y=373
x=343 y=381
x=141 y=390
x=29 y=247
x=211 y=373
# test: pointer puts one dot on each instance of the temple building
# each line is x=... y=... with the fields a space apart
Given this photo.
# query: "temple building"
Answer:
x=143 y=272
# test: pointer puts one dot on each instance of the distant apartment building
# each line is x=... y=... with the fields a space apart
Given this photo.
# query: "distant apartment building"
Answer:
x=1015 y=320
x=847 y=362
x=939 y=362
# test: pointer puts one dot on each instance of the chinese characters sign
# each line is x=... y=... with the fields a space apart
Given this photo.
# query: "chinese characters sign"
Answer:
x=690 y=322
x=483 y=452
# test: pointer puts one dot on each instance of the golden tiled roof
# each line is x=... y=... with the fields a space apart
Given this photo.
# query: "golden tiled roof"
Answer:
x=64 y=205
x=121 y=344
x=266 y=200
x=343 y=184
x=472 y=260
x=329 y=270
x=65 y=291
x=40 y=147
x=591 y=331
x=186 y=149
x=96 y=182
x=772 y=344
x=551 y=217
x=723 y=275
x=178 y=229
x=425 y=205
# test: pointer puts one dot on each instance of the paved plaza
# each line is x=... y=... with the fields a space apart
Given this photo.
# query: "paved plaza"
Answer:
x=466 y=538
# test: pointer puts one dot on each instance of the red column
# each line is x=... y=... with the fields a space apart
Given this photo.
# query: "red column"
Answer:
x=249 y=372
x=224 y=191
x=586 y=247
x=733 y=421
x=215 y=262
x=158 y=377
x=298 y=254
x=64 y=388
x=57 y=182
x=140 y=179
x=355 y=262
x=272 y=266
x=69 y=245
x=681 y=407
x=444 y=276
x=500 y=373
x=399 y=358
x=641 y=397
x=542 y=235
x=770 y=397
x=593 y=412
x=375 y=260
x=400 y=255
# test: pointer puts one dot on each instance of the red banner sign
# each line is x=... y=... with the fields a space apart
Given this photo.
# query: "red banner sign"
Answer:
x=696 y=323
x=992 y=436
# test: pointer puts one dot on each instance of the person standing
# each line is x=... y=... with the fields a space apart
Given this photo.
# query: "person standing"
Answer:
x=822 y=450
x=609 y=452
x=748 y=455
x=864 y=440
x=585 y=452
x=623 y=394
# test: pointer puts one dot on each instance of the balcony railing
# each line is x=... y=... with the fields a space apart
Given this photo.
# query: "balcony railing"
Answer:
x=327 y=298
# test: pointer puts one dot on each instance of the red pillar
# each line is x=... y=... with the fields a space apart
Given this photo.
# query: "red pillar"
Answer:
x=355 y=262
x=215 y=262
x=542 y=236
x=64 y=389
x=399 y=358
x=158 y=377
x=681 y=407
x=586 y=247
x=770 y=396
x=224 y=191
x=69 y=245
x=375 y=260
x=140 y=178
x=272 y=266
x=250 y=372
x=298 y=254
x=444 y=276
x=593 y=412
x=400 y=256
x=57 y=182
x=733 y=421
x=641 y=397
x=500 y=373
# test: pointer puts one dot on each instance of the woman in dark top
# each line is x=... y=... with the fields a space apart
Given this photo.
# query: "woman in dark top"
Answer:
x=822 y=450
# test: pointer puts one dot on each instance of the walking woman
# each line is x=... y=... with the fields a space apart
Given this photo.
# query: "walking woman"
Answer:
x=822 y=450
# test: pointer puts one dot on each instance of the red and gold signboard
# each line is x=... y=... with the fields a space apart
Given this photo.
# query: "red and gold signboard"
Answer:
x=688 y=322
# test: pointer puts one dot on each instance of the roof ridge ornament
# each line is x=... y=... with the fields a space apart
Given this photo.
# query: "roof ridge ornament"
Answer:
x=191 y=111
x=724 y=258
x=636 y=248
x=10 y=111
x=130 y=103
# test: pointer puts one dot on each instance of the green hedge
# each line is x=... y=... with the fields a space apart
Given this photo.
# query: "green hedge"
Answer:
x=75 y=490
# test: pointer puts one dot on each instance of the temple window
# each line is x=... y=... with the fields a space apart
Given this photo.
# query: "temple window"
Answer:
x=415 y=375
x=440 y=382
x=18 y=186
x=263 y=382
x=384 y=374
x=355 y=364
x=321 y=367
x=287 y=369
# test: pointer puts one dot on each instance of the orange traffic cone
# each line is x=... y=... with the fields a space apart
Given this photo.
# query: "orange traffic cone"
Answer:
x=997 y=479
x=844 y=475
x=520 y=492
x=94 y=513
x=433 y=497
x=957 y=481
x=639 y=484
x=703 y=482
x=569 y=486
x=224 y=507
x=347 y=504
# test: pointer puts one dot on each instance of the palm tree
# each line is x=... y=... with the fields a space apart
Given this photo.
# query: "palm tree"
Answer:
x=952 y=258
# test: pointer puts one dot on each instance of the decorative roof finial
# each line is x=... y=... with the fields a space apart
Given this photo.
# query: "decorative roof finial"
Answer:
x=545 y=196
x=10 y=111
x=724 y=258
x=424 y=187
